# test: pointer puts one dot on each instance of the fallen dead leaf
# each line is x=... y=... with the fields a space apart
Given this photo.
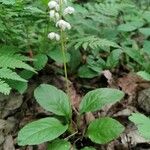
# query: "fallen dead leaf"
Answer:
x=125 y=112
x=132 y=136
x=89 y=117
x=9 y=143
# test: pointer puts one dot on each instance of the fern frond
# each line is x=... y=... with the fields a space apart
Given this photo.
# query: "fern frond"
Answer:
x=11 y=59
x=6 y=73
x=4 y=88
x=108 y=9
x=92 y=42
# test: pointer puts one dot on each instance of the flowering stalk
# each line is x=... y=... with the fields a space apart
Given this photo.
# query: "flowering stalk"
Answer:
x=63 y=48
x=57 y=11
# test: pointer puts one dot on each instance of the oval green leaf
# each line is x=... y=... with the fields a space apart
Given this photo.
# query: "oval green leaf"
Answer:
x=41 y=131
x=96 y=99
x=53 y=99
x=104 y=130
x=59 y=144
x=143 y=124
x=145 y=75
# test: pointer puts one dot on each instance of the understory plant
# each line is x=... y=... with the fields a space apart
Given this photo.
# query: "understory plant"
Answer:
x=62 y=126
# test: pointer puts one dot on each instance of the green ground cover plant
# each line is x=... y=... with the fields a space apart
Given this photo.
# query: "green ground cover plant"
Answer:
x=86 y=38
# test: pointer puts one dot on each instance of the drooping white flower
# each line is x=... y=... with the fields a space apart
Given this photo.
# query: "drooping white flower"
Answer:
x=58 y=1
x=69 y=10
x=57 y=16
x=53 y=5
x=63 y=25
x=54 y=36
x=57 y=37
x=54 y=15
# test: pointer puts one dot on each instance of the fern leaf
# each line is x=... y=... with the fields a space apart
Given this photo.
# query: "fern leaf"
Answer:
x=10 y=59
x=92 y=42
x=4 y=88
x=6 y=73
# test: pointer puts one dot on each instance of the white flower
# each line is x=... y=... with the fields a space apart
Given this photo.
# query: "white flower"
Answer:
x=53 y=5
x=58 y=1
x=69 y=10
x=63 y=25
x=54 y=36
x=57 y=36
x=54 y=15
x=57 y=16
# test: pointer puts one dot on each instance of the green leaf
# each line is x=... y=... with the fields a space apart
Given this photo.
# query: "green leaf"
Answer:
x=75 y=60
x=53 y=99
x=41 y=131
x=146 y=46
x=135 y=55
x=59 y=144
x=88 y=148
x=40 y=62
x=11 y=58
x=34 y=10
x=21 y=87
x=146 y=15
x=9 y=74
x=104 y=130
x=130 y=26
x=96 y=99
x=143 y=124
x=145 y=75
x=86 y=72
x=8 y=2
x=4 y=88
x=145 y=31
x=113 y=58
x=57 y=56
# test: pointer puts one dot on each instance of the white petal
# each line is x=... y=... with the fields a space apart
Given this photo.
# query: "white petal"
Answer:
x=68 y=26
x=57 y=16
x=63 y=25
x=51 y=35
x=69 y=10
x=52 y=13
x=57 y=36
x=52 y=4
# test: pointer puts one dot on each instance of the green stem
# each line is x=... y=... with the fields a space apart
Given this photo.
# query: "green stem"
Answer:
x=63 y=51
x=64 y=61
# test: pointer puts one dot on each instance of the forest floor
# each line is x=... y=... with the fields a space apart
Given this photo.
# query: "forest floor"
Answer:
x=16 y=110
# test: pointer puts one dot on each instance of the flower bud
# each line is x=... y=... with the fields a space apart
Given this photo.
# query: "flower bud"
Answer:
x=57 y=16
x=69 y=10
x=54 y=36
x=63 y=25
x=57 y=37
x=54 y=15
x=53 y=5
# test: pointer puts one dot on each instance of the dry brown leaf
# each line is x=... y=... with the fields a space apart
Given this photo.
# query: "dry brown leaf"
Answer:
x=42 y=146
x=89 y=117
x=108 y=75
x=75 y=98
x=9 y=143
x=129 y=83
